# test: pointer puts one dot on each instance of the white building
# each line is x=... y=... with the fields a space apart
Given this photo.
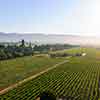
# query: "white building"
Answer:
x=83 y=54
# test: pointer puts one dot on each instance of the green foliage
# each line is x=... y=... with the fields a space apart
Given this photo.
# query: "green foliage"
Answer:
x=26 y=49
x=9 y=52
x=53 y=47
x=2 y=54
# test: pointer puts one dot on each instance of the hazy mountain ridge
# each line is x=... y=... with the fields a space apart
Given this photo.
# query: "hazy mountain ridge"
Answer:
x=52 y=38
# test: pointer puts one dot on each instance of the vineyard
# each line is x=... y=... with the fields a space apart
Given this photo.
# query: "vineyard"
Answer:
x=78 y=79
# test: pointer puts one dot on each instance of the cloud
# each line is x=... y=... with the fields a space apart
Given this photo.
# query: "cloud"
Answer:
x=84 y=18
x=90 y=17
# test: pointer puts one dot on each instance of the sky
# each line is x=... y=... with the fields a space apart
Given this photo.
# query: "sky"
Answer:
x=76 y=17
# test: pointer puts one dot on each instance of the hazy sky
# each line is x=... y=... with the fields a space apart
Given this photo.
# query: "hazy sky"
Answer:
x=51 y=16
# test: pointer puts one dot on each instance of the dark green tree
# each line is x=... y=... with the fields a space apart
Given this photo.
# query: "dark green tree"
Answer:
x=22 y=43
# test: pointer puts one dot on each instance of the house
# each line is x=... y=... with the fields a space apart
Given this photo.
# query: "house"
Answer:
x=83 y=54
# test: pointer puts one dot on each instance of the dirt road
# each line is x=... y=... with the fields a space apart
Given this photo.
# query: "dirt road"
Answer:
x=30 y=78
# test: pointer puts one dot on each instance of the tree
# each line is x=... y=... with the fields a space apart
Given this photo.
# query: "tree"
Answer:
x=2 y=55
x=22 y=43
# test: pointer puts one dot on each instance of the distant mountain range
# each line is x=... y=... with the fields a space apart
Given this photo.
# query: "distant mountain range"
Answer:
x=49 y=39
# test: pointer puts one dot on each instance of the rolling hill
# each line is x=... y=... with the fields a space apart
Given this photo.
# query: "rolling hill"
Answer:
x=45 y=39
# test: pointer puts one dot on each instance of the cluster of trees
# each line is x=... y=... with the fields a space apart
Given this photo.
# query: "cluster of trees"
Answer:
x=13 y=51
x=52 y=47
x=53 y=55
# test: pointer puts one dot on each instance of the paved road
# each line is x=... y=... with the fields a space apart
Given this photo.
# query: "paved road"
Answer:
x=30 y=78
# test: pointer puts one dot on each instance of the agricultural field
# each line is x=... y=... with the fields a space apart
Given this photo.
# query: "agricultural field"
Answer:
x=12 y=71
x=78 y=79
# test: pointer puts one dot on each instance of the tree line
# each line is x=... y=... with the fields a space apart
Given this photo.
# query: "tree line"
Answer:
x=13 y=51
x=52 y=47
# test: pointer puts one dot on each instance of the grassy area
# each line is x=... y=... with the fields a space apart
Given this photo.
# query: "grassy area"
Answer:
x=76 y=50
x=12 y=71
x=78 y=78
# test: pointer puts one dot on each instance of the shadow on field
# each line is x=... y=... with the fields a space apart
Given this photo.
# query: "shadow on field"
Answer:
x=50 y=96
x=46 y=96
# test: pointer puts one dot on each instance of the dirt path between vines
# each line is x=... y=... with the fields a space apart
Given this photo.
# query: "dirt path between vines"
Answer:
x=30 y=78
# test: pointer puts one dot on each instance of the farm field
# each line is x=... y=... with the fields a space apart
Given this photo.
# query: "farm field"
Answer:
x=12 y=71
x=78 y=79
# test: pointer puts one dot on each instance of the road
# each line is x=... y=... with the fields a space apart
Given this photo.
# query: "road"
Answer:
x=30 y=78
